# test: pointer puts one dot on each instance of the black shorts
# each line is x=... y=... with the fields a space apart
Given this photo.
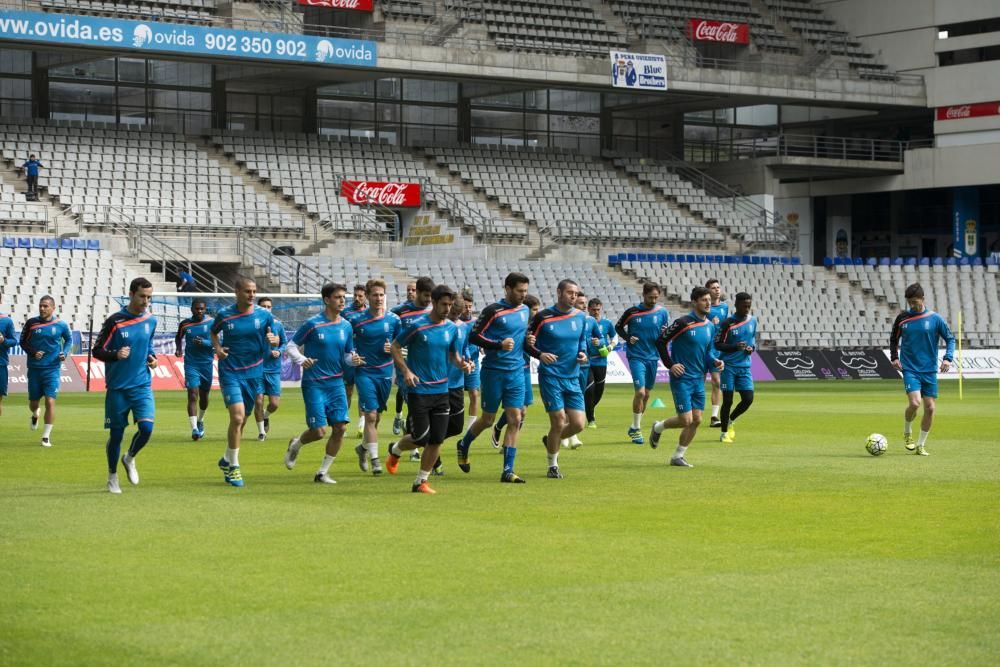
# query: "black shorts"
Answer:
x=456 y=411
x=427 y=415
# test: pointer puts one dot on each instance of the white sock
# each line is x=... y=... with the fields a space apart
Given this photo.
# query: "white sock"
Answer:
x=679 y=452
x=37 y=412
x=554 y=459
x=575 y=440
x=470 y=421
x=361 y=422
x=372 y=448
x=922 y=438
x=267 y=415
x=260 y=427
x=201 y=415
x=422 y=476
x=636 y=420
x=46 y=430
x=907 y=427
x=112 y=477
x=127 y=458
x=325 y=465
x=233 y=456
x=715 y=411
x=658 y=427
x=395 y=450
x=194 y=422
x=564 y=442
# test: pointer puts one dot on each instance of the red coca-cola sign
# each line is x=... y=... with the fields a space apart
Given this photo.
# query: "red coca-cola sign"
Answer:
x=969 y=111
x=727 y=32
x=393 y=195
x=356 y=5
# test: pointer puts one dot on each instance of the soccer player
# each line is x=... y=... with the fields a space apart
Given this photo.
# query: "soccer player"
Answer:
x=913 y=348
x=500 y=332
x=271 y=384
x=323 y=346
x=457 y=375
x=419 y=305
x=736 y=339
x=533 y=305
x=598 y=361
x=640 y=326
x=686 y=348
x=374 y=332
x=128 y=378
x=46 y=341
x=241 y=337
x=432 y=341
x=560 y=345
x=352 y=313
x=595 y=341
x=473 y=380
x=717 y=314
x=194 y=345
x=8 y=339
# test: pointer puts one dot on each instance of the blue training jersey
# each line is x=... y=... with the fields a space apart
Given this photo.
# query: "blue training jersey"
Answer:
x=496 y=323
x=31 y=167
x=646 y=324
x=9 y=338
x=561 y=334
x=245 y=336
x=272 y=364
x=592 y=329
x=330 y=343
x=718 y=313
x=124 y=329
x=689 y=341
x=51 y=337
x=430 y=346
x=190 y=332
x=607 y=330
x=730 y=334
x=370 y=336
x=914 y=341
x=456 y=376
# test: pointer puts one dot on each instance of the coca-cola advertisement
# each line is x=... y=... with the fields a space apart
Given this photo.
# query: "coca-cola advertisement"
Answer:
x=727 y=32
x=356 y=5
x=960 y=111
x=392 y=195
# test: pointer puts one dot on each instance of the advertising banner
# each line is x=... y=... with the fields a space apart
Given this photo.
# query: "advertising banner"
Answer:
x=727 y=32
x=798 y=364
x=356 y=5
x=391 y=195
x=968 y=111
x=148 y=38
x=638 y=71
x=860 y=364
x=965 y=222
x=17 y=375
x=976 y=365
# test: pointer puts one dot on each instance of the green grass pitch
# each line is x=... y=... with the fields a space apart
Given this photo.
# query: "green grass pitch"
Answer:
x=792 y=546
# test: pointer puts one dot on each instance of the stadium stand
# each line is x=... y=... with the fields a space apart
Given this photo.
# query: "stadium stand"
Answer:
x=14 y=210
x=186 y=11
x=554 y=26
x=407 y=10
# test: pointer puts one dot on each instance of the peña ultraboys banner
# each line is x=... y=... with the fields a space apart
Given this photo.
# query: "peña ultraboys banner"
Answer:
x=152 y=37
x=639 y=71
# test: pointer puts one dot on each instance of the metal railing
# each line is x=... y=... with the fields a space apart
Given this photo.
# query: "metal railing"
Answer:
x=461 y=213
x=793 y=145
x=263 y=254
x=197 y=222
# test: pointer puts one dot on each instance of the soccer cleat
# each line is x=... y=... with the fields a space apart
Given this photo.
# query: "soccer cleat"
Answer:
x=323 y=478
x=391 y=461
x=415 y=456
x=564 y=443
x=438 y=470
x=113 y=485
x=267 y=425
x=291 y=454
x=554 y=473
x=680 y=462
x=636 y=436
x=495 y=434
x=715 y=423
x=574 y=442
x=34 y=422
x=909 y=442
x=46 y=442
x=376 y=467
x=921 y=451
x=463 y=457
x=728 y=437
x=362 y=457
x=130 y=471
x=261 y=437
x=423 y=487
x=201 y=428
x=196 y=435
x=511 y=478
x=234 y=477
x=397 y=425
x=591 y=424
x=654 y=437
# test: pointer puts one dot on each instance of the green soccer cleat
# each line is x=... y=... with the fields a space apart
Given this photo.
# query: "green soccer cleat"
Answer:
x=728 y=438
x=591 y=424
x=921 y=451
x=635 y=435
x=909 y=442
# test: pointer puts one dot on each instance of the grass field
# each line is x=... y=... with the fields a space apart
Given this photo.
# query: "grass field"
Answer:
x=793 y=546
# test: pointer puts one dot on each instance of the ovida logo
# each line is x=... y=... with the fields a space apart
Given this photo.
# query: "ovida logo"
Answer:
x=324 y=51
x=142 y=35
x=795 y=362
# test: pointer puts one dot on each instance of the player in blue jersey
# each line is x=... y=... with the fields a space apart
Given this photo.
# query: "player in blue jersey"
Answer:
x=717 y=314
x=736 y=340
x=500 y=332
x=374 y=332
x=324 y=346
x=241 y=337
x=433 y=344
x=398 y=423
x=913 y=348
x=595 y=341
x=354 y=310
x=271 y=382
x=640 y=326
x=194 y=345
x=457 y=376
x=8 y=339
x=473 y=381
x=558 y=339
x=534 y=305
x=125 y=345
x=598 y=361
x=687 y=349
x=46 y=341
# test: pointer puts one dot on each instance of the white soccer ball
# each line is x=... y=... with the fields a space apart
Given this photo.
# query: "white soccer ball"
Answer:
x=876 y=444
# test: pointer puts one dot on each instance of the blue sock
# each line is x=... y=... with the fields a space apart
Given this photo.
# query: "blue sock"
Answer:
x=140 y=438
x=466 y=441
x=114 y=448
x=501 y=422
x=508 y=458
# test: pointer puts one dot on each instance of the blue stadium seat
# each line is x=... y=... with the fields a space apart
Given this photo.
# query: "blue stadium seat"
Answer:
x=884 y=261
x=640 y=257
x=719 y=259
x=612 y=260
x=9 y=242
x=52 y=244
x=671 y=257
x=951 y=261
x=632 y=257
x=938 y=261
x=661 y=257
x=67 y=244
x=745 y=259
x=690 y=259
x=37 y=243
x=925 y=261
x=858 y=261
x=732 y=260
x=785 y=261
x=963 y=261
x=796 y=261
x=828 y=262
x=79 y=244
x=94 y=244
x=621 y=257
x=911 y=261
x=23 y=242
x=976 y=261
x=897 y=261
x=700 y=259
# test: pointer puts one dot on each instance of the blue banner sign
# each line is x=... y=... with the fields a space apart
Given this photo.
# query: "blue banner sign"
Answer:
x=965 y=222
x=639 y=71
x=153 y=37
